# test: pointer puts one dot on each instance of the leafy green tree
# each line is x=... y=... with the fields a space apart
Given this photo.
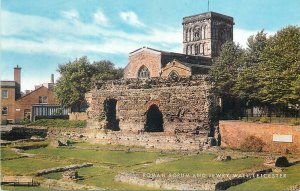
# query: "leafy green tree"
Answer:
x=247 y=81
x=78 y=77
x=280 y=68
x=225 y=71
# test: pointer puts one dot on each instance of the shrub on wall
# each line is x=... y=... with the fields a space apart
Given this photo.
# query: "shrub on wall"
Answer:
x=264 y=120
x=252 y=143
x=294 y=122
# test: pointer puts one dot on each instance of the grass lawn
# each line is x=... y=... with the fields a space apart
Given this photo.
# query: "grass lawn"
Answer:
x=8 y=153
x=28 y=166
x=103 y=178
x=204 y=163
x=292 y=178
x=118 y=158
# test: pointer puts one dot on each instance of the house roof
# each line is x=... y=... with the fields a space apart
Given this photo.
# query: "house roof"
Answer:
x=7 y=84
x=31 y=92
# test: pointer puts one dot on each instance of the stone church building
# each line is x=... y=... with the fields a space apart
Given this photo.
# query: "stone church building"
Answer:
x=165 y=99
x=203 y=36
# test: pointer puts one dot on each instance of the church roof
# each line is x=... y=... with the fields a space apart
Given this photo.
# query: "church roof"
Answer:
x=167 y=57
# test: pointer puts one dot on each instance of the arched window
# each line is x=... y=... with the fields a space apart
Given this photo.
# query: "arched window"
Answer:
x=203 y=48
x=187 y=49
x=200 y=49
x=173 y=75
x=204 y=32
x=196 y=49
x=186 y=34
x=143 y=72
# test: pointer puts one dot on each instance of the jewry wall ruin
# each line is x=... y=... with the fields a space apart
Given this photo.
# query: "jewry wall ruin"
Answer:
x=153 y=108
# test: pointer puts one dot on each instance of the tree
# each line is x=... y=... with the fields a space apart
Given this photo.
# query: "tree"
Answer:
x=78 y=77
x=280 y=68
x=225 y=71
x=247 y=81
x=226 y=68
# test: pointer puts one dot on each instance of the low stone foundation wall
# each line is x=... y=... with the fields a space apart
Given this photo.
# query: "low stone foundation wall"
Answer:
x=150 y=140
x=62 y=169
x=233 y=133
x=159 y=140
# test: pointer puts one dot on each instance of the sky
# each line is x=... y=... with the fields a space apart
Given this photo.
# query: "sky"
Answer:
x=38 y=35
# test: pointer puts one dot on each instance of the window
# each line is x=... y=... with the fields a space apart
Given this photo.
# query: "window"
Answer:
x=143 y=72
x=4 y=94
x=197 y=49
x=4 y=110
x=173 y=75
x=43 y=99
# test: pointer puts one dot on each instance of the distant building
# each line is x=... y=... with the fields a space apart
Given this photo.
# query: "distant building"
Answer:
x=37 y=103
x=203 y=35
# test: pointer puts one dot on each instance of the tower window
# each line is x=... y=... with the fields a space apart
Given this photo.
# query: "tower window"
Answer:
x=143 y=72
x=196 y=49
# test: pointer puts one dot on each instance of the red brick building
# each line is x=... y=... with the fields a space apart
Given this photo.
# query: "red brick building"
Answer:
x=15 y=107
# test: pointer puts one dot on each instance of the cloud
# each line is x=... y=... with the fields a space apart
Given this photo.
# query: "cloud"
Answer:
x=71 y=14
x=35 y=34
x=131 y=18
x=100 y=18
x=241 y=35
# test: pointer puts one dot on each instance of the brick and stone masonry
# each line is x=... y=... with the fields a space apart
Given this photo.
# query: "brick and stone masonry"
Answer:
x=134 y=112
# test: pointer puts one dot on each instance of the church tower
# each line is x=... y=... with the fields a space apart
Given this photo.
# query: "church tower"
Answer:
x=203 y=34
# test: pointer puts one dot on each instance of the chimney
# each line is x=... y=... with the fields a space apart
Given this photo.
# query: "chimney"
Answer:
x=52 y=78
x=17 y=79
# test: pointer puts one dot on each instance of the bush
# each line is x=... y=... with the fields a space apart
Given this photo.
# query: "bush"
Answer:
x=294 y=122
x=252 y=144
x=264 y=120
x=58 y=123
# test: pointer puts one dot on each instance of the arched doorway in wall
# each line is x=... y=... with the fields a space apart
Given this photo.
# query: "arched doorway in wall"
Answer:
x=154 y=120
x=110 y=109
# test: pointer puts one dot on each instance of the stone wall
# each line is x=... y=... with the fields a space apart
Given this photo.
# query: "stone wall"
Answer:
x=186 y=106
x=234 y=132
x=77 y=116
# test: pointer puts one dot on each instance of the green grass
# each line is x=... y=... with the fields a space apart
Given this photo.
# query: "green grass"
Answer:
x=28 y=166
x=204 y=163
x=105 y=146
x=56 y=175
x=8 y=153
x=292 y=178
x=120 y=158
x=59 y=123
x=103 y=178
